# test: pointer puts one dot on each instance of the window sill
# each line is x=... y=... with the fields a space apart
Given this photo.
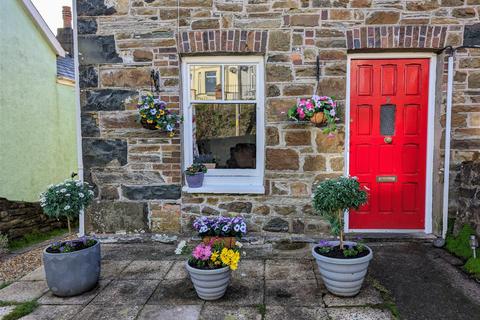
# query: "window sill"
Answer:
x=227 y=188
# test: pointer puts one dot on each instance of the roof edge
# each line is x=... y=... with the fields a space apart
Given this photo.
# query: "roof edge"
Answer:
x=42 y=25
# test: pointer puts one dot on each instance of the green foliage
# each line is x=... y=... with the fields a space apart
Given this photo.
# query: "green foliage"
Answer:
x=4 y=285
x=473 y=267
x=334 y=195
x=195 y=168
x=34 y=238
x=21 y=310
x=460 y=245
x=3 y=243
x=66 y=199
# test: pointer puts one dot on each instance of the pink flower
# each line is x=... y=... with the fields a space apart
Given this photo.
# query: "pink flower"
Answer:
x=309 y=105
x=202 y=252
x=330 y=135
x=301 y=113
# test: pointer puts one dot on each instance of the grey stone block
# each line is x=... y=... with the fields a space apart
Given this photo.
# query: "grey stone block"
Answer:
x=108 y=217
x=126 y=292
x=97 y=49
x=151 y=192
x=153 y=312
x=22 y=291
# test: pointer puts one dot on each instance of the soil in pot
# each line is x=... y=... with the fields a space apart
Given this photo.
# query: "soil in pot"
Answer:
x=337 y=253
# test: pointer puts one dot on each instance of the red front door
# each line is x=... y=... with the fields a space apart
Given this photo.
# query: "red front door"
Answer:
x=388 y=138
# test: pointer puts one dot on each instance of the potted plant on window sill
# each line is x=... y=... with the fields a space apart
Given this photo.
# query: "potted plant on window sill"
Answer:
x=210 y=268
x=71 y=267
x=195 y=175
x=342 y=264
x=207 y=160
x=318 y=110
x=220 y=229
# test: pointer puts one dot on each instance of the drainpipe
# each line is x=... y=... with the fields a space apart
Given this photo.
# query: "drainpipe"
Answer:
x=448 y=128
x=81 y=218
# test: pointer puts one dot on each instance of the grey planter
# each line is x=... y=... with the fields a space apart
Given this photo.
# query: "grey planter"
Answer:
x=72 y=273
x=209 y=284
x=343 y=277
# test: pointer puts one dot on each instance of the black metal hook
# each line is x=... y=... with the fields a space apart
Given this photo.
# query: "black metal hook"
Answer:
x=155 y=81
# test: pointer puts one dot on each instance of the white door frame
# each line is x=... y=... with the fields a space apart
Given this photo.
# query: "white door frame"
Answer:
x=430 y=133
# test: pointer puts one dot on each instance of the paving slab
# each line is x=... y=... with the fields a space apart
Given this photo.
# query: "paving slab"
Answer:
x=83 y=299
x=210 y=312
x=293 y=293
x=53 y=313
x=156 y=312
x=175 y=292
x=297 y=313
x=22 y=291
x=356 y=313
x=424 y=286
x=5 y=310
x=101 y=312
x=126 y=292
x=146 y=270
x=111 y=269
x=367 y=296
x=249 y=269
x=242 y=292
x=138 y=251
x=177 y=271
x=289 y=270
x=36 y=275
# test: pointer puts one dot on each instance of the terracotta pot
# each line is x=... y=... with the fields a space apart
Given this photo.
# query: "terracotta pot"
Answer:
x=318 y=118
x=149 y=126
x=210 y=165
x=228 y=242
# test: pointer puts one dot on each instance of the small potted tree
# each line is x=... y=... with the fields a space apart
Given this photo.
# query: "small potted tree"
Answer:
x=210 y=268
x=342 y=264
x=71 y=267
x=195 y=175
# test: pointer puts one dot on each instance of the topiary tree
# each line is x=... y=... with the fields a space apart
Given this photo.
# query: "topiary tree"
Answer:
x=332 y=197
x=66 y=199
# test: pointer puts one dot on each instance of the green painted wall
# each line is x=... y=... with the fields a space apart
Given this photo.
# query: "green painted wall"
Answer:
x=37 y=115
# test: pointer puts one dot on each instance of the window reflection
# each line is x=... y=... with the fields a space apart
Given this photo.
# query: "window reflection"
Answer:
x=240 y=82
x=226 y=132
x=205 y=83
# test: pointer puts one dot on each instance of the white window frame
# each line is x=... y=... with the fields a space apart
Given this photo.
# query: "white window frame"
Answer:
x=247 y=181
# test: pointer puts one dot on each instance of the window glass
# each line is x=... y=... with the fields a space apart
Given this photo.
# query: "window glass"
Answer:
x=387 y=120
x=240 y=82
x=205 y=82
x=226 y=132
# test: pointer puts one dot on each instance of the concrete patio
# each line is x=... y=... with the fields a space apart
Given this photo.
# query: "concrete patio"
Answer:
x=148 y=281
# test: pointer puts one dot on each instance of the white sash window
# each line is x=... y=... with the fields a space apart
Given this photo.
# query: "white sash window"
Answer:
x=223 y=109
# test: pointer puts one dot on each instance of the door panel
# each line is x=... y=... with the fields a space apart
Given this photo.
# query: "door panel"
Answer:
x=388 y=137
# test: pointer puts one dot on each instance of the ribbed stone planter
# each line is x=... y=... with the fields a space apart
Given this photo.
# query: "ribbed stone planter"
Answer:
x=73 y=273
x=343 y=277
x=209 y=284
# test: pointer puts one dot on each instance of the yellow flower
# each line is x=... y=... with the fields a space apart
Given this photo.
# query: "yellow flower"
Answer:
x=157 y=126
x=214 y=256
x=144 y=116
x=149 y=121
x=158 y=115
x=162 y=112
x=171 y=134
x=233 y=266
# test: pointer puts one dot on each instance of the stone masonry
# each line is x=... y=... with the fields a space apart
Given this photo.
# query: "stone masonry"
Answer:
x=137 y=172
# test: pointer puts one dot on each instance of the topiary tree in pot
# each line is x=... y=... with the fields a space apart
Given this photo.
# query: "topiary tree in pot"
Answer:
x=342 y=264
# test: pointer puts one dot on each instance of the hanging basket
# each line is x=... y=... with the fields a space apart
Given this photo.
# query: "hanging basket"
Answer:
x=318 y=118
x=149 y=126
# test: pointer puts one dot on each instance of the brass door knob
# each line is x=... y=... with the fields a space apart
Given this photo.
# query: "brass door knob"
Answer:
x=387 y=140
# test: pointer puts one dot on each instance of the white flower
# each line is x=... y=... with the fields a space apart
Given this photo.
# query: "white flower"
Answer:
x=66 y=207
x=63 y=190
x=238 y=244
x=180 y=247
x=78 y=184
x=68 y=194
x=81 y=195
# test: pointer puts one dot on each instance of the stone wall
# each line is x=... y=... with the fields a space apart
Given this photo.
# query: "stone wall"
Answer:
x=138 y=172
x=19 y=218
x=468 y=199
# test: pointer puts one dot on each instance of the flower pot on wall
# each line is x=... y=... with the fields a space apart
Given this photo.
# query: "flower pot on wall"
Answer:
x=149 y=126
x=343 y=277
x=73 y=273
x=210 y=284
x=196 y=180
